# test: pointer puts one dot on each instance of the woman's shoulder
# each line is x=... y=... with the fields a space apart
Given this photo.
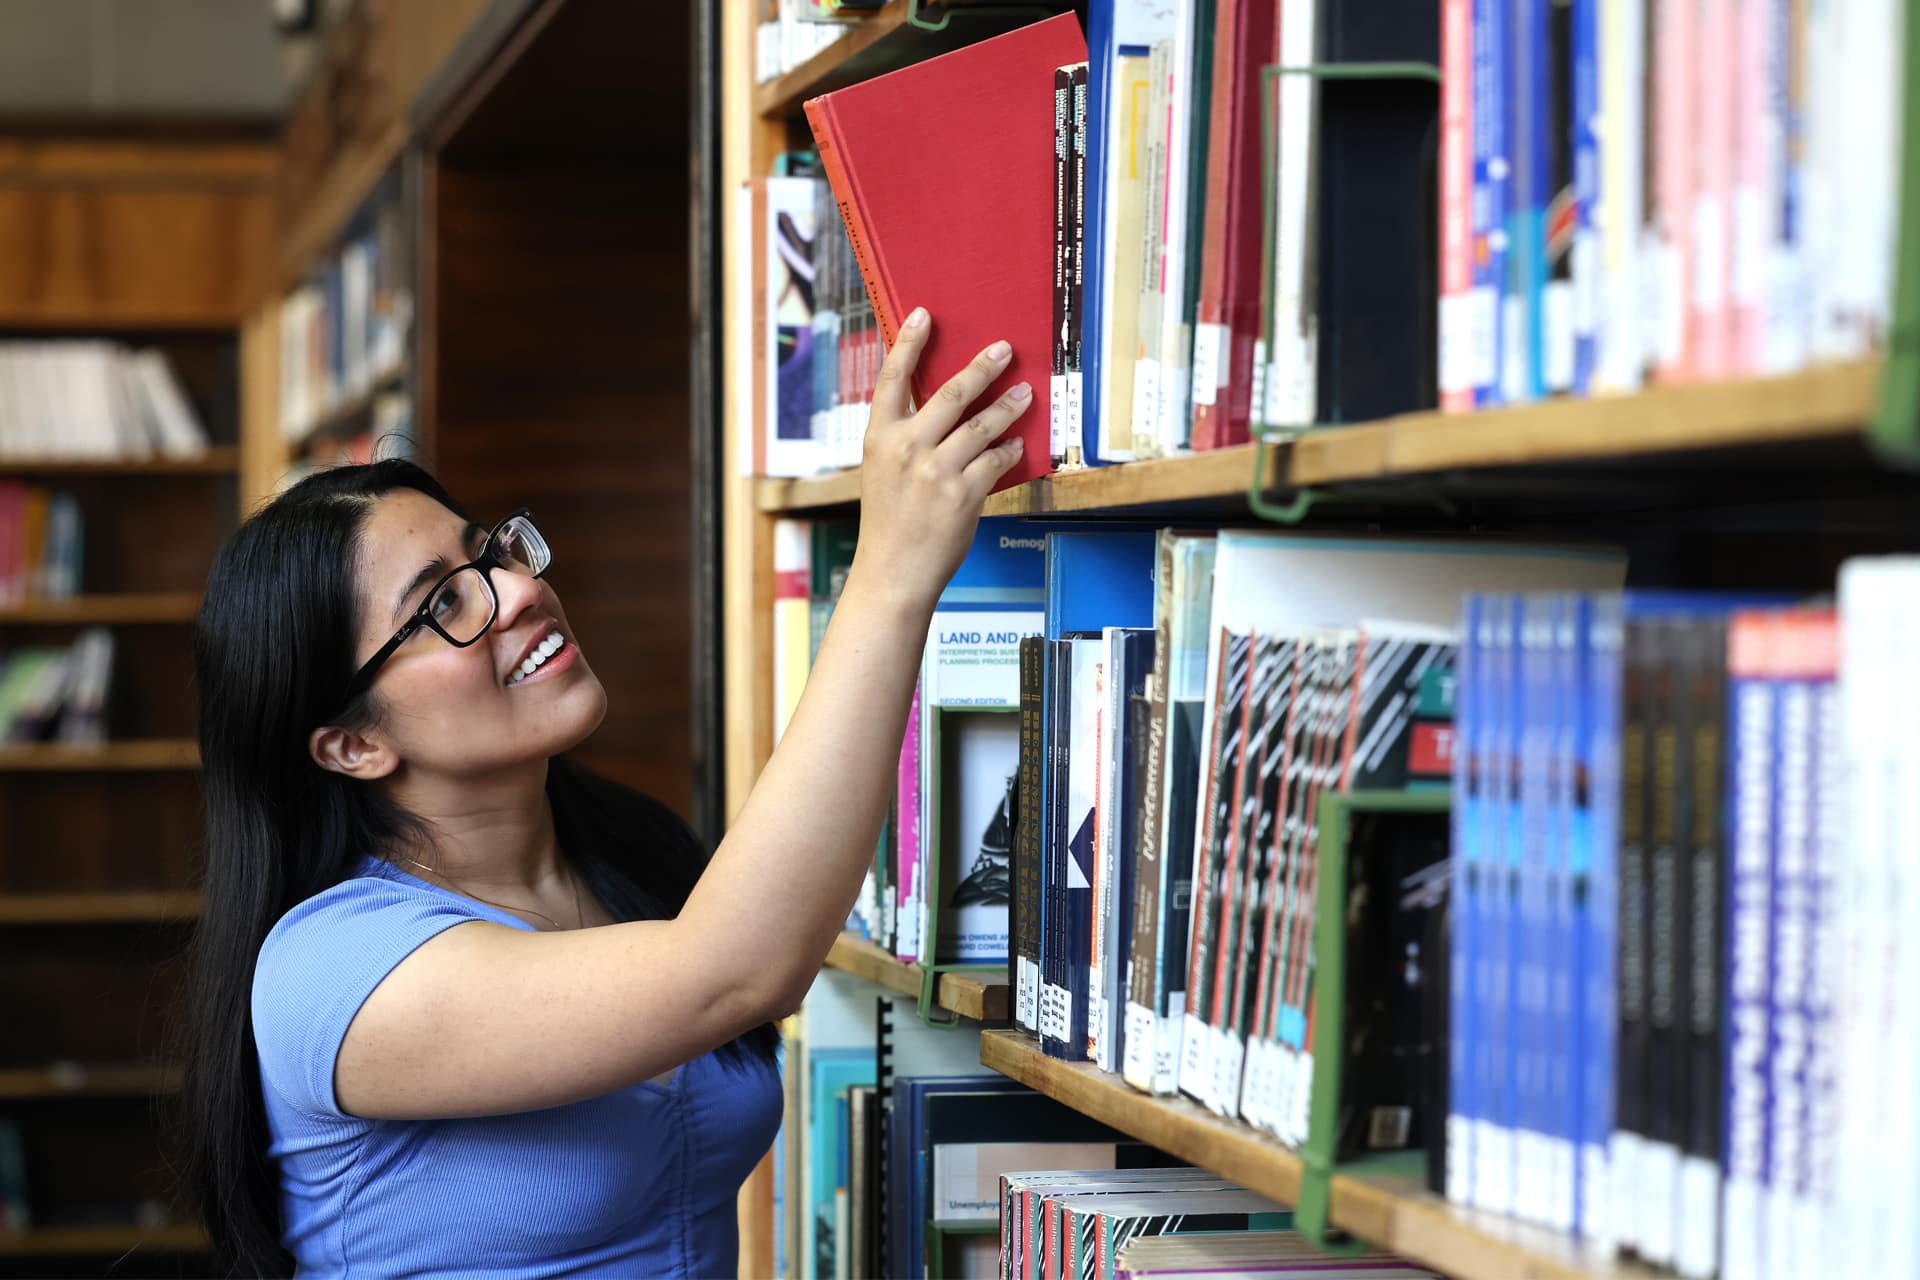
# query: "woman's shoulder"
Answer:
x=375 y=890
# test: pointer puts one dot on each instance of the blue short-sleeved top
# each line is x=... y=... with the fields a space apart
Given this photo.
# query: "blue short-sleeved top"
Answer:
x=641 y=1182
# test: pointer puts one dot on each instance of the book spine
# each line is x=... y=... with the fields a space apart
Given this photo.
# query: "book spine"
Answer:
x=1062 y=195
x=1585 y=248
x=1596 y=817
x=1750 y=801
x=1563 y=930
x=1817 y=1180
x=873 y=272
x=1055 y=1013
x=1076 y=429
x=1490 y=178
x=1556 y=203
x=1209 y=329
x=1785 y=304
x=1673 y=122
x=1715 y=40
x=1143 y=976
x=1464 y=891
x=1702 y=877
x=1628 y=1156
x=1456 y=209
x=1256 y=928
x=1524 y=69
x=1496 y=1169
x=1235 y=890
x=1026 y=841
x=1210 y=858
x=1786 y=1208
x=1532 y=1035
x=1660 y=1184
x=1622 y=161
x=1752 y=119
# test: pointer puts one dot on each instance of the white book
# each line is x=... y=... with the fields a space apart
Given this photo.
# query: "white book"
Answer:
x=180 y=433
x=1172 y=409
x=1294 y=358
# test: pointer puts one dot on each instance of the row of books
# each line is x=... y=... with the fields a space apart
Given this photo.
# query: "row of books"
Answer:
x=1662 y=190
x=345 y=330
x=804 y=316
x=41 y=538
x=791 y=31
x=58 y=694
x=93 y=400
x=1217 y=215
x=901 y=1156
x=1679 y=851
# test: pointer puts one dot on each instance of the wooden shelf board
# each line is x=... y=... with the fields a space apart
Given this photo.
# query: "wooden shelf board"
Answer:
x=180 y=1237
x=1395 y=1213
x=219 y=459
x=74 y=1081
x=131 y=754
x=968 y=995
x=98 y=908
x=856 y=54
x=1818 y=404
x=180 y=606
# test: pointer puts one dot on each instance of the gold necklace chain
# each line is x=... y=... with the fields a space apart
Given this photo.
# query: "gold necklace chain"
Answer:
x=580 y=917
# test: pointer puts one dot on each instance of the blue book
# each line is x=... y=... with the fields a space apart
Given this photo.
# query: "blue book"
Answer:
x=914 y=1155
x=831 y=1072
x=1526 y=103
x=1490 y=182
x=1586 y=192
x=1533 y=1032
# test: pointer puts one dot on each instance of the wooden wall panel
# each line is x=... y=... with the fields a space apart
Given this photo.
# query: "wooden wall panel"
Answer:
x=120 y=236
x=561 y=385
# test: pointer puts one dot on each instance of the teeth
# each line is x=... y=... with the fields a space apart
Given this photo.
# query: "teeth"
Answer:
x=544 y=650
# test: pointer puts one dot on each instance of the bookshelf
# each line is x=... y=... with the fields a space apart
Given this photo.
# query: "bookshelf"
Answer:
x=1387 y=1209
x=160 y=245
x=965 y=995
x=1788 y=463
x=76 y=1081
x=1798 y=413
x=98 y=908
x=67 y=1242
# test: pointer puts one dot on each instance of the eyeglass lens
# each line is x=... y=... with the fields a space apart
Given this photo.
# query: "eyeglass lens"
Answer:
x=464 y=604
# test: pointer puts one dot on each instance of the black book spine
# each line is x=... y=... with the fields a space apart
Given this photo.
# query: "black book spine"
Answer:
x=1058 y=694
x=1705 y=690
x=1630 y=1102
x=1062 y=258
x=1024 y=925
x=1666 y=830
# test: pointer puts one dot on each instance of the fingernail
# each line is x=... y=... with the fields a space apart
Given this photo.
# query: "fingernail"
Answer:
x=1017 y=444
x=999 y=351
x=915 y=318
x=1019 y=391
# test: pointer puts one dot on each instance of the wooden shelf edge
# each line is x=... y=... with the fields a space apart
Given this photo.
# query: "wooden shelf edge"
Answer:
x=219 y=459
x=179 y=1237
x=967 y=995
x=1393 y=1214
x=125 y=609
x=151 y=754
x=98 y=908
x=1815 y=404
x=89 y=1082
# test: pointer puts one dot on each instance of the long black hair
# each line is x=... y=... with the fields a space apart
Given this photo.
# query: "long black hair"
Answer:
x=273 y=654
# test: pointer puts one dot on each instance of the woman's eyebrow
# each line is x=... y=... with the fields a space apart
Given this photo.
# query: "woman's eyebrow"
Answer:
x=429 y=572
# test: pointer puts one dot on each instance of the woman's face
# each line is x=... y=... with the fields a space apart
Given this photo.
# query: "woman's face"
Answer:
x=454 y=711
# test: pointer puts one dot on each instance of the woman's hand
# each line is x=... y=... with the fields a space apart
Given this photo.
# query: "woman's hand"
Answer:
x=924 y=479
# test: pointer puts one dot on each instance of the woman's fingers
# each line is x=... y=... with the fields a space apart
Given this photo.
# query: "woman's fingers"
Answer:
x=973 y=437
x=892 y=397
x=985 y=471
x=943 y=409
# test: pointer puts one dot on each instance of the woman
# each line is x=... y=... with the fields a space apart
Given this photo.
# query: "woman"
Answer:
x=458 y=1006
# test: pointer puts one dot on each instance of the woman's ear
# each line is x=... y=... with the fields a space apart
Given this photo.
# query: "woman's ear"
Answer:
x=344 y=751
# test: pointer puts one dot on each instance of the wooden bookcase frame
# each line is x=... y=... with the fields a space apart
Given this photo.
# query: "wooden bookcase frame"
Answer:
x=1665 y=439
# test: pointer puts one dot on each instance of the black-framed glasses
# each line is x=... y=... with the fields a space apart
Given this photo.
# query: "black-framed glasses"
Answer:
x=463 y=604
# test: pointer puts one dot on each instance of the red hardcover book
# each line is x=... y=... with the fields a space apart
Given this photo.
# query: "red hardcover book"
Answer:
x=943 y=172
x=1246 y=38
